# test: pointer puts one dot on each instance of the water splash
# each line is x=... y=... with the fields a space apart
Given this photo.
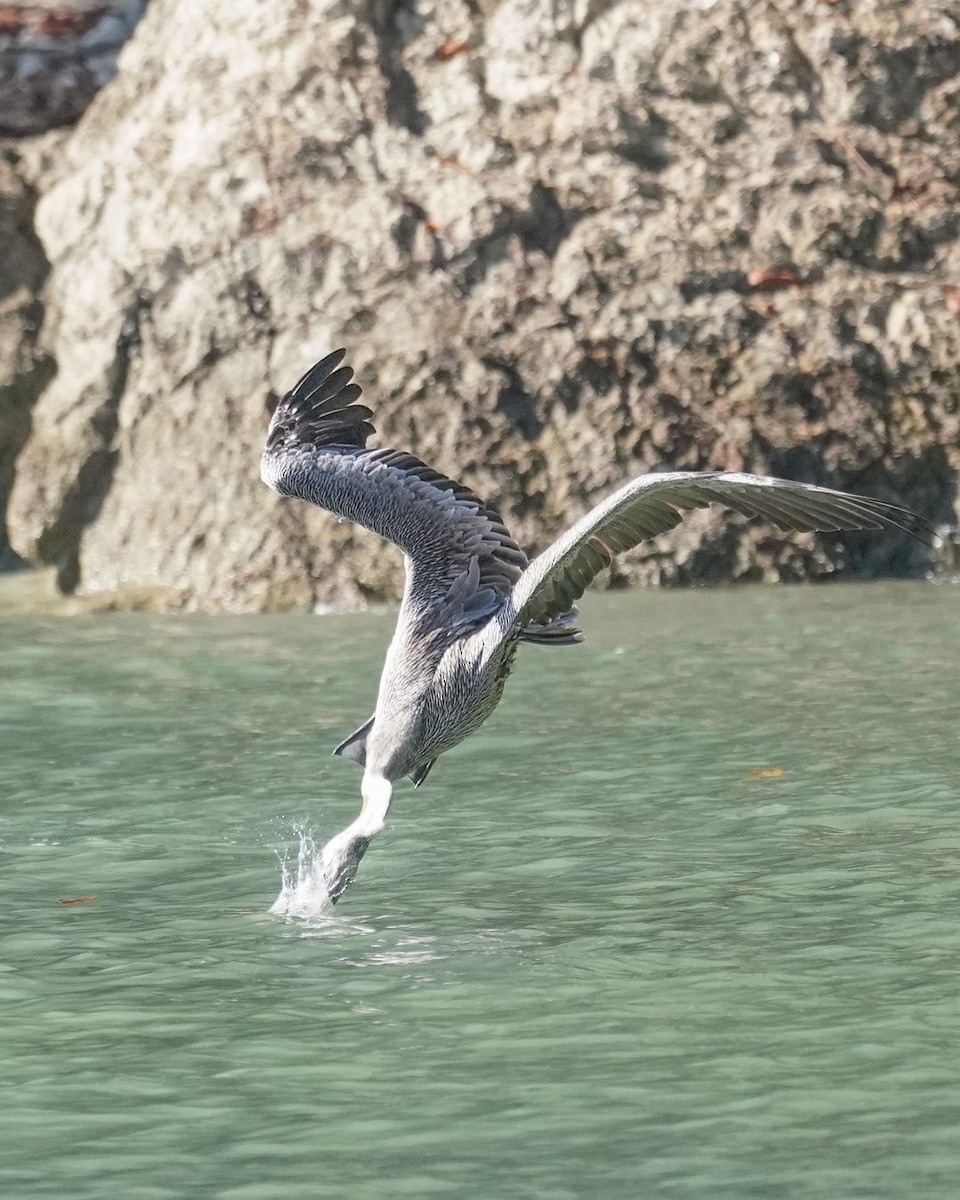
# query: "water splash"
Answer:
x=303 y=890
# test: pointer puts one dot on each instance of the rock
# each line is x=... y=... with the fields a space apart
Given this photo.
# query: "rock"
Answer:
x=24 y=368
x=54 y=57
x=564 y=243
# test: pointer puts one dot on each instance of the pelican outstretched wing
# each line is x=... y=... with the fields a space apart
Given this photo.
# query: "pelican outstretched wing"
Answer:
x=653 y=504
x=462 y=559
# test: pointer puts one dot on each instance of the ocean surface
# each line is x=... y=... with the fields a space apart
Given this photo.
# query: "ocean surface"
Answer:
x=682 y=920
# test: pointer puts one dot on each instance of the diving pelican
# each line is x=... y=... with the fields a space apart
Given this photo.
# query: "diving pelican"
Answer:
x=471 y=594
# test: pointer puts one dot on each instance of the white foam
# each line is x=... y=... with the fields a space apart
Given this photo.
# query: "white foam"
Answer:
x=303 y=890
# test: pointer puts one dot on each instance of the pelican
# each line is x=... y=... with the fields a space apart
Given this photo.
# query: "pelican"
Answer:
x=471 y=594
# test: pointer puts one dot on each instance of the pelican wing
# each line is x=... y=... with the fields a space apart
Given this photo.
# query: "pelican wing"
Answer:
x=653 y=504
x=459 y=552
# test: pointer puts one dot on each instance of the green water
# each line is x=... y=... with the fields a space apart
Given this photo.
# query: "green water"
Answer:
x=592 y=957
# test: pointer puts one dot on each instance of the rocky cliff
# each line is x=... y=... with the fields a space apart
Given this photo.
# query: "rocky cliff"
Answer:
x=24 y=368
x=54 y=57
x=564 y=241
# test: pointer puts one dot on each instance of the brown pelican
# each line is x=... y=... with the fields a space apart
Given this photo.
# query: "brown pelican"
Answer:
x=471 y=594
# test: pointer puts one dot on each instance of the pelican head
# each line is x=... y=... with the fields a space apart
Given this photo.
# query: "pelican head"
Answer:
x=342 y=854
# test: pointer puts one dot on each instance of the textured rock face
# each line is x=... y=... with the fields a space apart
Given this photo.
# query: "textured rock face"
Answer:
x=564 y=242
x=24 y=369
x=55 y=55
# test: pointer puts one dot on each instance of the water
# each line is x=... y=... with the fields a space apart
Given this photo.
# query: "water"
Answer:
x=597 y=954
